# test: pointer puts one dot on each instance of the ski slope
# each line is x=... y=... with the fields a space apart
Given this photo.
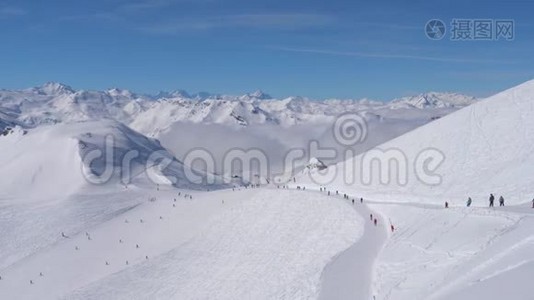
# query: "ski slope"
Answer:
x=456 y=253
x=258 y=244
x=350 y=274
x=487 y=147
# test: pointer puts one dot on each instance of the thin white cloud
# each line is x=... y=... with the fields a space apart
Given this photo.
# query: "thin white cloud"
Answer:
x=125 y=11
x=139 y=6
x=492 y=74
x=9 y=11
x=103 y=16
x=257 y=21
x=392 y=56
x=389 y=26
x=143 y=5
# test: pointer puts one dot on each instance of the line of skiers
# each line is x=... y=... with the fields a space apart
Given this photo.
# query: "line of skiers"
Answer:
x=347 y=197
x=375 y=222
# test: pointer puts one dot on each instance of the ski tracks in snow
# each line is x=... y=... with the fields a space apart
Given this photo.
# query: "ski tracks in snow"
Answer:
x=349 y=275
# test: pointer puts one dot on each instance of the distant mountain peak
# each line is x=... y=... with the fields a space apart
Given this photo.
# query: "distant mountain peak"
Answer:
x=55 y=88
x=174 y=94
x=120 y=92
x=434 y=100
x=259 y=94
x=256 y=95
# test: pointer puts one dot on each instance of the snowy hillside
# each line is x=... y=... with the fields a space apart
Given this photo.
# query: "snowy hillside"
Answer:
x=7 y=119
x=57 y=161
x=458 y=252
x=225 y=245
x=484 y=148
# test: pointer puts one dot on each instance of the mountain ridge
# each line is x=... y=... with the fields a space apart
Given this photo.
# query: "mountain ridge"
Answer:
x=56 y=103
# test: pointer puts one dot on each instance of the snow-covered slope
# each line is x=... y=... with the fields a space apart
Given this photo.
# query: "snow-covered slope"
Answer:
x=58 y=160
x=7 y=119
x=248 y=244
x=484 y=148
x=458 y=252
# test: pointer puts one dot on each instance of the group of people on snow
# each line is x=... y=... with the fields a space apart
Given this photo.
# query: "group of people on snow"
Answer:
x=491 y=201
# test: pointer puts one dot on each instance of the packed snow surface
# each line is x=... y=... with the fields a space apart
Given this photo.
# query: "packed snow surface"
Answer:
x=253 y=244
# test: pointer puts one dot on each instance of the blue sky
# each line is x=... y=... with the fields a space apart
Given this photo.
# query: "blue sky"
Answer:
x=320 y=49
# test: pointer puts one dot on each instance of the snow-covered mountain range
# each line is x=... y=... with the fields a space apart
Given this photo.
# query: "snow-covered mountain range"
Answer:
x=183 y=121
x=57 y=103
x=62 y=238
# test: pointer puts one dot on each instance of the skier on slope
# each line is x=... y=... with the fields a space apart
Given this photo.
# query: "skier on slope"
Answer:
x=446 y=204
x=469 y=201
x=501 y=201
x=491 y=200
x=532 y=203
x=376 y=221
